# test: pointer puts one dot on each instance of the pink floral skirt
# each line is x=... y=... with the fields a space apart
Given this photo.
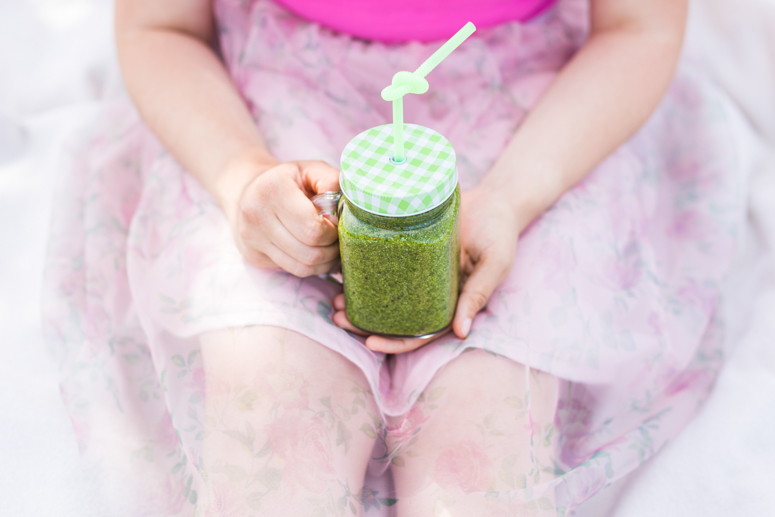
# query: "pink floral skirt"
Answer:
x=613 y=289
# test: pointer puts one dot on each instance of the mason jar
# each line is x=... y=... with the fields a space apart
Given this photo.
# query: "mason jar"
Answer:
x=399 y=232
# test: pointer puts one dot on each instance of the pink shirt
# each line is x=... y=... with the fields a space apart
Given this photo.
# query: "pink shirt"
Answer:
x=407 y=20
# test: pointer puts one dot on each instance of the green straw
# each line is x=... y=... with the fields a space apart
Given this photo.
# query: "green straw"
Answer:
x=414 y=82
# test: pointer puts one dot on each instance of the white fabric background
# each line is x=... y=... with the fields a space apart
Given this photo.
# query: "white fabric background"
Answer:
x=57 y=65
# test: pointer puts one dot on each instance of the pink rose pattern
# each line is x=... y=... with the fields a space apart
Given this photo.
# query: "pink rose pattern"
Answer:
x=410 y=424
x=305 y=445
x=613 y=290
x=285 y=442
x=287 y=388
x=463 y=466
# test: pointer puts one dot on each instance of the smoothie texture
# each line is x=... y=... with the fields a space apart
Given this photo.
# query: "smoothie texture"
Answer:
x=401 y=274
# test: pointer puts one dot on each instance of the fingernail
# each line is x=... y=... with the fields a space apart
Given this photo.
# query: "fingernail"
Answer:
x=466 y=327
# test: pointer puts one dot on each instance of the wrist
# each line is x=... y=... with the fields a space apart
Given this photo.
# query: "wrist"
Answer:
x=527 y=193
x=237 y=173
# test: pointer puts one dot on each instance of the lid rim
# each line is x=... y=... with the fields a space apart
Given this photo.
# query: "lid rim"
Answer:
x=344 y=194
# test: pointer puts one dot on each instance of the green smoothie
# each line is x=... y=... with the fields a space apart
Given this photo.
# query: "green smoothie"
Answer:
x=401 y=274
x=399 y=235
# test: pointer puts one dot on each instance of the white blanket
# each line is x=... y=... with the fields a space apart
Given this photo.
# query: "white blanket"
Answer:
x=57 y=65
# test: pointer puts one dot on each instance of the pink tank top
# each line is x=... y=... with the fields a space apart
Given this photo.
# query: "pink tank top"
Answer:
x=412 y=20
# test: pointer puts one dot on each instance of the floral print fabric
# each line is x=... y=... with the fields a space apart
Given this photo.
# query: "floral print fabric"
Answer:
x=613 y=289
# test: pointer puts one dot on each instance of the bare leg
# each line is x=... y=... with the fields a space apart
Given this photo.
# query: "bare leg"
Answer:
x=477 y=436
x=284 y=419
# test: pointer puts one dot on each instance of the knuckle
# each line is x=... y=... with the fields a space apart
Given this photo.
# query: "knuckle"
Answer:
x=477 y=299
x=250 y=213
x=256 y=258
x=313 y=232
x=301 y=270
x=244 y=234
x=504 y=255
x=266 y=186
x=313 y=257
x=507 y=257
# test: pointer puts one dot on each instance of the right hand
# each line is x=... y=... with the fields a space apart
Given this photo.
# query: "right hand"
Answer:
x=275 y=225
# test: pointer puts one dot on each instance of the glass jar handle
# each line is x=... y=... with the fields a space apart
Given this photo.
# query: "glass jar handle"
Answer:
x=329 y=205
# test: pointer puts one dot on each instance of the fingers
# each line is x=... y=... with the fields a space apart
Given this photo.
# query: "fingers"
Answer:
x=379 y=343
x=297 y=268
x=396 y=345
x=486 y=276
x=376 y=343
x=306 y=255
x=301 y=217
x=274 y=257
x=340 y=320
x=319 y=177
x=273 y=240
x=278 y=223
x=297 y=213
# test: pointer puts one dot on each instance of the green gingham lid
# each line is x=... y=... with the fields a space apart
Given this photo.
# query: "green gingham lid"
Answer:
x=424 y=180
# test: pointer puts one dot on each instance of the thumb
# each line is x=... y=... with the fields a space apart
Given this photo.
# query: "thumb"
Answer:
x=485 y=278
x=320 y=177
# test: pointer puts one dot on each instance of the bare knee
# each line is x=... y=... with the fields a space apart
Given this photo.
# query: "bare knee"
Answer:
x=285 y=411
x=479 y=376
x=487 y=425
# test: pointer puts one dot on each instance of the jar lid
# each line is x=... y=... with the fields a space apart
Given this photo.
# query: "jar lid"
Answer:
x=374 y=182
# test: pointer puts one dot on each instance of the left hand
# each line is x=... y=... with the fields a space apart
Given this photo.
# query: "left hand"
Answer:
x=490 y=228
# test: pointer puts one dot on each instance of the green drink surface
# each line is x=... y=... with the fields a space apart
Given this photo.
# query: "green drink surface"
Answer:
x=401 y=274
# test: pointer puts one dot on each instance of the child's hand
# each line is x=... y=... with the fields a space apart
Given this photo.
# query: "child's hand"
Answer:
x=273 y=220
x=490 y=229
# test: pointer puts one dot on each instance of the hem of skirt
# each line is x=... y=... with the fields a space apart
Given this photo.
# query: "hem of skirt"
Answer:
x=332 y=337
x=370 y=363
